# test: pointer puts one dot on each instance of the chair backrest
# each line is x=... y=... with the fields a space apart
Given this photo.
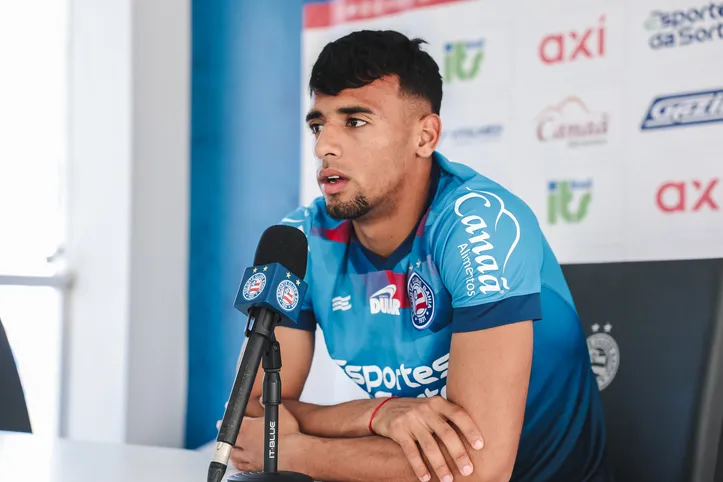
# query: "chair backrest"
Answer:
x=13 y=410
x=719 y=470
x=656 y=343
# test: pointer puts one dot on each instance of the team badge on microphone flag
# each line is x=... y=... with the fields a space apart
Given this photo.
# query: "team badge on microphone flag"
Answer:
x=287 y=294
x=271 y=286
x=254 y=286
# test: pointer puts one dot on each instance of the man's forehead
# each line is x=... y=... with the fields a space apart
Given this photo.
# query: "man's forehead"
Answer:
x=375 y=96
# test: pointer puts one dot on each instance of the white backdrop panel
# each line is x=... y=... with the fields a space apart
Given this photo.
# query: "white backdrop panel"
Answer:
x=548 y=98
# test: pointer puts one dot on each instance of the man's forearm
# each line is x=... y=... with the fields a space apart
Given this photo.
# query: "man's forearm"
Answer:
x=349 y=419
x=373 y=459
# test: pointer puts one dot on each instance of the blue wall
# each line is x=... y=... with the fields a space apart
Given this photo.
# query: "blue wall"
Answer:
x=245 y=162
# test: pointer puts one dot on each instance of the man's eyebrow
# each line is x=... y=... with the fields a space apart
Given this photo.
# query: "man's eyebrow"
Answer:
x=354 y=109
x=314 y=114
x=348 y=110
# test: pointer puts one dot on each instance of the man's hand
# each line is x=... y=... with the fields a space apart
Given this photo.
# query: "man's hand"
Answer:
x=409 y=421
x=248 y=453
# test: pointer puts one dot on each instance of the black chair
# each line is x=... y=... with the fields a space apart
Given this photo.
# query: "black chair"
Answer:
x=719 y=470
x=13 y=410
x=657 y=349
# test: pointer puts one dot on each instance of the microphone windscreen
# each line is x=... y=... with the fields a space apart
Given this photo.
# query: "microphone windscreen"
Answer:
x=284 y=245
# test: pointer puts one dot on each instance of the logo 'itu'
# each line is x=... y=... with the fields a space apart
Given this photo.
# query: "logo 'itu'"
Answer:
x=458 y=65
x=560 y=199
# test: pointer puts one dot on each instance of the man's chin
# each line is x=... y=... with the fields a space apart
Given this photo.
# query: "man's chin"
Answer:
x=335 y=211
x=338 y=209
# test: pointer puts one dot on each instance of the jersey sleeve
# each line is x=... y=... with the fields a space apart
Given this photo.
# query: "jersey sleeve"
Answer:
x=489 y=255
x=301 y=219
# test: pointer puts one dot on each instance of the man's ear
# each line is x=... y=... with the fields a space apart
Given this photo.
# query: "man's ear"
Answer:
x=430 y=128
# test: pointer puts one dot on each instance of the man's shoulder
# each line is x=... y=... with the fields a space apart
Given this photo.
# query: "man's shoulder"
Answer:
x=465 y=192
x=486 y=243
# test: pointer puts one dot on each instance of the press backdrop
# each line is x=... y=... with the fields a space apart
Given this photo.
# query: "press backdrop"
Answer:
x=605 y=117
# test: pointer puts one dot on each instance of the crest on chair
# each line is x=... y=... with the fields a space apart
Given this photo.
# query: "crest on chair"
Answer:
x=604 y=355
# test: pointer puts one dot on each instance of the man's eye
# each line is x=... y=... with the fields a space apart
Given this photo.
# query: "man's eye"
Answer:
x=315 y=128
x=355 y=122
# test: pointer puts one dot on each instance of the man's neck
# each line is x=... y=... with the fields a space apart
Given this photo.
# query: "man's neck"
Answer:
x=383 y=234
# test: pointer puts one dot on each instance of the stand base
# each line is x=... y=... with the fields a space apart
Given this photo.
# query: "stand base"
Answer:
x=282 y=476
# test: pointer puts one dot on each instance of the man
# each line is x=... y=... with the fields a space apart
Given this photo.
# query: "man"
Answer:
x=432 y=284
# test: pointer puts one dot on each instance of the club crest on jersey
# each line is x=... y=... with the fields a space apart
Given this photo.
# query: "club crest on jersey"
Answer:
x=254 y=286
x=287 y=294
x=421 y=301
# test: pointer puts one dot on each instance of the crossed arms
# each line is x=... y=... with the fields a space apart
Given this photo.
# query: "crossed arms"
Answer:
x=419 y=439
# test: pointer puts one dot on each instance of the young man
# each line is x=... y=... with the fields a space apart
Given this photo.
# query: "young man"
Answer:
x=432 y=284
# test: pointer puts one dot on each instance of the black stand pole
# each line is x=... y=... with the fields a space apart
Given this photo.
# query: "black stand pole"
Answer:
x=272 y=399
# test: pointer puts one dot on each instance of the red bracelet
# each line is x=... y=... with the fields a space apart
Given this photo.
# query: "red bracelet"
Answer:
x=375 y=412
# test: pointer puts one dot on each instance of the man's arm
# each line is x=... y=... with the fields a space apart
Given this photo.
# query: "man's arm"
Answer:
x=348 y=419
x=489 y=373
x=372 y=458
x=297 y=350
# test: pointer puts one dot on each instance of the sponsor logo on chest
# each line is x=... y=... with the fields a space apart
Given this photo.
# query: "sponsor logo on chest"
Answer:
x=341 y=303
x=383 y=301
x=383 y=381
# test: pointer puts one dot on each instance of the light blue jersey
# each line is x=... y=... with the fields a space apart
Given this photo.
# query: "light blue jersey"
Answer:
x=476 y=260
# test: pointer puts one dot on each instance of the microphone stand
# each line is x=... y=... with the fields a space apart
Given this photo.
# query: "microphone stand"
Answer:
x=271 y=398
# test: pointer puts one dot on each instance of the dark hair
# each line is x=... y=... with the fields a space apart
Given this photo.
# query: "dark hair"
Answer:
x=362 y=57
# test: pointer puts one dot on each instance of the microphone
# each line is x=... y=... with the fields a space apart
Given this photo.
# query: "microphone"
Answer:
x=270 y=290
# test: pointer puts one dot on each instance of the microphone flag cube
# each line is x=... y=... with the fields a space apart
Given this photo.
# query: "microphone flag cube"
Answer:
x=271 y=286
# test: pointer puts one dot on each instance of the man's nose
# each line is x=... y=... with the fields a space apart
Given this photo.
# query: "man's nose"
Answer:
x=328 y=145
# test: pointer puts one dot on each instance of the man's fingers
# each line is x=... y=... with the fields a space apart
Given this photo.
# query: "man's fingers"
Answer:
x=434 y=455
x=461 y=419
x=411 y=451
x=454 y=445
x=238 y=460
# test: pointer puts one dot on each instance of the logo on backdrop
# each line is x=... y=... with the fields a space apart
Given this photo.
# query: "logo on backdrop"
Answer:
x=421 y=301
x=573 y=123
x=684 y=110
x=462 y=59
x=383 y=301
x=472 y=134
x=254 y=286
x=573 y=45
x=687 y=196
x=689 y=26
x=287 y=294
x=604 y=355
x=568 y=201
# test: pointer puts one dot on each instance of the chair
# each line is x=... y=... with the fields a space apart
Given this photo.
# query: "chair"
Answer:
x=13 y=410
x=719 y=471
x=656 y=341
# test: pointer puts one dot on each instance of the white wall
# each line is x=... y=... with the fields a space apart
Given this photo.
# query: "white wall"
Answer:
x=126 y=334
x=159 y=238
